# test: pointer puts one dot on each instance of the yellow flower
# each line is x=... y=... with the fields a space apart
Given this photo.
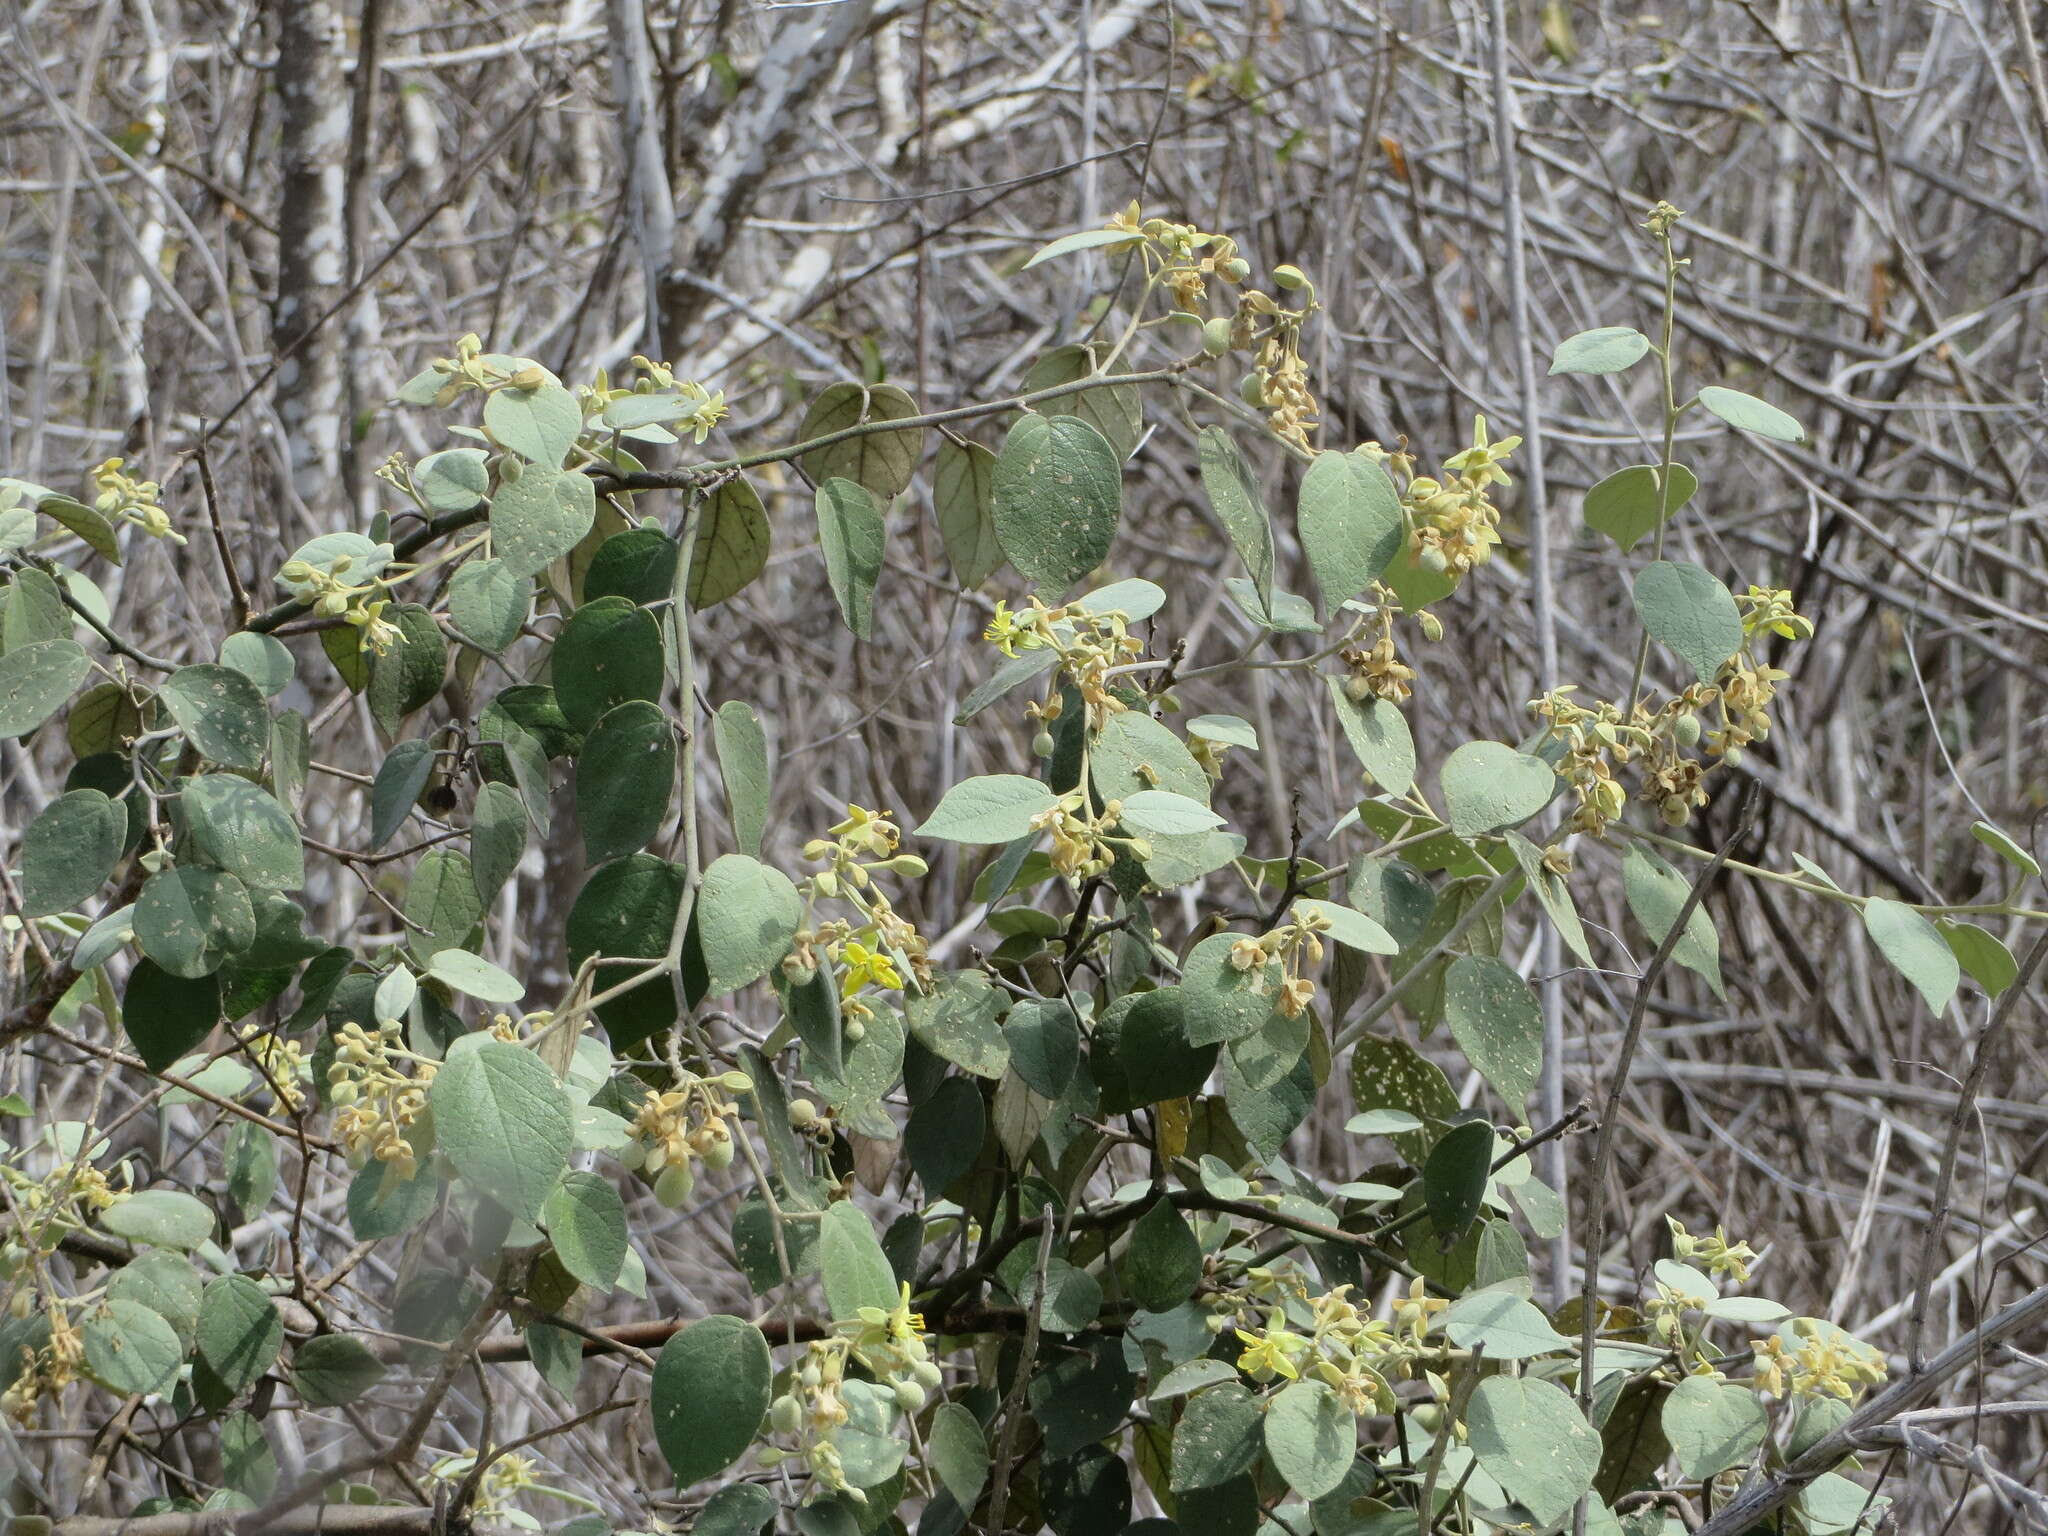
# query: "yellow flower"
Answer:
x=1006 y=634
x=1480 y=464
x=864 y=965
x=1268 y=1355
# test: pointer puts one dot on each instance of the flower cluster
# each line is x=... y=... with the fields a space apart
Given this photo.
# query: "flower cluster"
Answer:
x=1720 y=1256
x=381 y=1089
x=1296 y=944
x=696 y=409
x=1091 y=644
x=1658 y=740
x=1810 y=1357
x=48 y=1370
x=63 y=1200
x=681 y=1127
x=1453 y=523
x=1375 y=670
x=335 y=595
x=119 y=494
x=1289 y=1333
x=890 y=1346
x=282 y=1063
x=875 y=951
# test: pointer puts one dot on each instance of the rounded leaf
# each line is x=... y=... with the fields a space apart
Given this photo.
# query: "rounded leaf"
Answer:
x=710 y=1390
x=1058 y=492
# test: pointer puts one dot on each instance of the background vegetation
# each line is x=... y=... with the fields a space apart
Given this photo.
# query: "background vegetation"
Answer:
x=230 y=235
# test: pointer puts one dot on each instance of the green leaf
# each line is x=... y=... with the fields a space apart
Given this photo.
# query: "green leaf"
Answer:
x=1749 y=414
x=1915 y=948
x=34 y=611
x=609 y=652
x=1498 y=1023
x=1610 y=349
x=240 y=1331
x=1379 y=737
x=1134 y=752
x=1058 y=489
x=1220 y=1001
x=251 y=1167
x=69 y=850
x=732 y=544
x=396 y=788
x=743 y=765
x=35 y=680
x=959 y=1453
x=503 y=1119
x=1629 y=503
x=540 y=517
x=241 y=828
x=1352 y=929
x=1531 y=1438
x=852 y=532
x=441 y=904
x=1980 y=953
x=497 y=838
x=1161 y=813
x=88 y=523
x=333 y=1369
x=488 y=603
x=958 y=1019
x=1084 y=240
x=1655 y=893
x=102 y=719
x=1117 y=411
x=963 y=496
x=247 y=1463
x=1454 y=1177
x=857 y=1273
x=2002 y=844
x=1233 y=493
x=586 y=1222
x=884 y=463
x=638 y=564
x=944 y=1136
x=453 y=480
x=1553 y=892
x=159 y=1218
x=1488 y=785
x=263 y=659
x=1218 y=1438
x=166 y=1015
x=410 y=672
x=627 y=910
x=541 y=425
x=1687 y=609
x=473 y=976
x=1349 y=521
x=1163 y=1262
x=625 y=775
x=994 y=808
x=1505 y=1325
x=747 y=917
x=189 y=920
x=129 y=1349
x=221 y=712
x=1312 y=1435
x=1713 y=1426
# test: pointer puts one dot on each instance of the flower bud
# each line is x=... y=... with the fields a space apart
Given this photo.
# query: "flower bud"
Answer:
x=1732 y=757
x=855 y=1031
x=785 y=1415
x=802 y=1114
x=718 y=1154
x=1685 y=730
x=1251 y=389
x=1041 y=744
x=1674 y=811
x=1216 y=337
x=1290 y=278
x=1235 y=270
x=532 y=376
x=909 y=1396
x=1432 y=627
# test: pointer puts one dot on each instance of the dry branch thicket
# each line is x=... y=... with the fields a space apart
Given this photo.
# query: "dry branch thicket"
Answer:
x=229 y=233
